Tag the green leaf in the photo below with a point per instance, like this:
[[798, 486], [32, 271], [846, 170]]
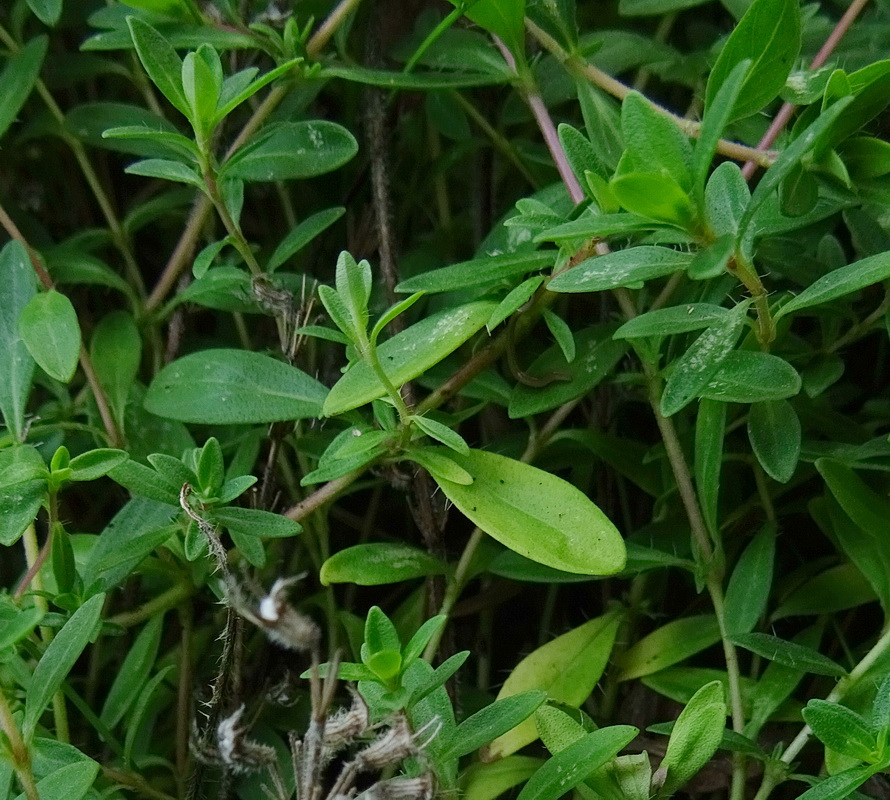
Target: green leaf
[[70, 782], [47, 11], [49, 328], [422, 637], [141, 710], [488, 781], [710, 427], [58, 659], [116, 352], [774, 431], [570, 767], [515, 299], [864, 156], [557, 728], [789, 653], [210, 469], [629, 268], [748, 376], [566, 668], [492, 721], [441, 433], [655, 195], [201, 85], [536, 514], [868, 509], [597, 354], [839, 283], [255, 522], [408, 354], [769, 36], [353, 282], [380, 633], [840, 786], [503, 18], [726, 198], [718, 114], [791, 155], [302, 234], [668, 645], [18, 78], [654, 142], [95, 463], [580, 152], [562, 333], [391, 313], [477, 272], [233, 387], [414, 81], [233, 95], [16, 365], [379, 564], [161, 63], [13, 630], [291, 150], [836, 589], [749, 587], [670, 321], [133, 672], [841, 729], [168, 171], [591, 225], [695, 737], [440, 464], [691, 372], [646, 8]]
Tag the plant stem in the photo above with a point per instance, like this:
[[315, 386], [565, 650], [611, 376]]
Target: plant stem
[[582, 69], [168, 599], [325, 494], [21, 757], [432, 37]]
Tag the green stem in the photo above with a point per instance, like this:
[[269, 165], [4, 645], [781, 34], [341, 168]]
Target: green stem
[[168, 599], [21, 757], [433, 36]]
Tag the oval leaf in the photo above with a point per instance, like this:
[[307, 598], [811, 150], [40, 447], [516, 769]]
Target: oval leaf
[[536, 514], [790, 654], [290, 150], [233, 387], [629, 267], [49, 328], [774, 431], [379, 563], [668, 645], [747, 376]]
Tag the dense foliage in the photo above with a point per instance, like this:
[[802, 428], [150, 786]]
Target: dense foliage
[[398, 405]]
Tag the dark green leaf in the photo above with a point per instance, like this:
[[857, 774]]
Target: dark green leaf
[[255, 522], [232, 387], [840, 786], [789, 653], [58, 659], [841, 729], [749, 587], [18, 78], [167, 170], [748, 376], [19, 287], [70, 782], [710, 427], [49, 328], [654, 143], [413, 81], [669, 321], [692, 371], [774, 431], [562, 333], [47, 11], [718, 114], [95, 463], [515, 299], [116, 352], [598, 225], [503, 18], [290, 150], [133, 672], [161, 63], [477, 272], [302, 234], [18, 627]]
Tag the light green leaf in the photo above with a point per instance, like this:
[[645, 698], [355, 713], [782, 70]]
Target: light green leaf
[[570, 767], [515, 299], [440, 463], [231, 99], [378, 564], [70, 782], [233, 387], [408, 354], [841, 729], [391, 313], [58, 659], [291, 150], [167, 170], [668, 645], [16, 365], [536, 514], [95, 463], [629, 267], [775, 434], [441, 433], [769, 36], [18, 78], [840, 786], [49, 328], [566, 668], [488, 781], [691, 372], [655, 195], [695, 737]]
